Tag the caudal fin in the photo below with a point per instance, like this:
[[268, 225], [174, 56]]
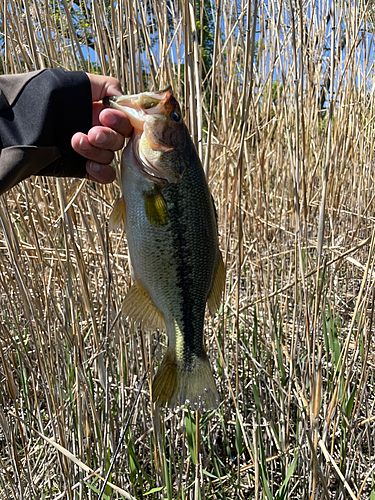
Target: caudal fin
[[175, 385]]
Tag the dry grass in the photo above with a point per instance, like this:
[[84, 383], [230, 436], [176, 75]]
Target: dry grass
[[293, 345]]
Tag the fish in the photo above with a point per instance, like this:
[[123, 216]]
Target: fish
[[170, 221]]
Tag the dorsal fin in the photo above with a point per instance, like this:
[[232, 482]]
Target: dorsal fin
[[214, 299], [118, 216]]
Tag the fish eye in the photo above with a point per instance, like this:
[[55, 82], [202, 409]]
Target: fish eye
[[175, 117]]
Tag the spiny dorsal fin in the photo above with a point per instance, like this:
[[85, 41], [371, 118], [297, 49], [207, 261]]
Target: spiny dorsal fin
[[156, 209], [118, 215], [139, 306], [216, 293]]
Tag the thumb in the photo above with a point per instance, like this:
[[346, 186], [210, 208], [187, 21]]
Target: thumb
[[102, 86]]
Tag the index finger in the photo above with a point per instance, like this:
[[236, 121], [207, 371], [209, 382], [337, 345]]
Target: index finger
[[116, 120]]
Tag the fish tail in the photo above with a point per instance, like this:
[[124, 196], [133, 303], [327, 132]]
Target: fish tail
[[176, 384]]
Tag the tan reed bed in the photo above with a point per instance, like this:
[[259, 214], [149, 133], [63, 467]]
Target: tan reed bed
[[292, 174]]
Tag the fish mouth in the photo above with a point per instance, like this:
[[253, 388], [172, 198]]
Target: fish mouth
[[138, 108]]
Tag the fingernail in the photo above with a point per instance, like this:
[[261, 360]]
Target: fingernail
[[100, 137], [83, 144], [95, 167]]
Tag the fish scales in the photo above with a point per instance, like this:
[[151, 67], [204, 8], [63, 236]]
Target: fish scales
[[194, 253], [173, 246]]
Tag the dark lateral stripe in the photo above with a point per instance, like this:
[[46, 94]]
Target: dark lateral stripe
[[193, 235], [182, 252]]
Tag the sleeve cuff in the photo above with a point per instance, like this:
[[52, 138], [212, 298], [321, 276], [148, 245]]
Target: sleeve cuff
[[36, 129]]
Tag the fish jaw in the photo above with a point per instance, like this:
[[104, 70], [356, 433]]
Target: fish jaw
[[138, 106], [158, 129], [142, 109]]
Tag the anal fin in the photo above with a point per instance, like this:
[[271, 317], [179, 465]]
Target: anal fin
[[165, 381], [139, 306]]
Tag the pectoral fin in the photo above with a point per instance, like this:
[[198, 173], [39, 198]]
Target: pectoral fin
[[118, 216], [216, 293], [139, 306], [156, 209]]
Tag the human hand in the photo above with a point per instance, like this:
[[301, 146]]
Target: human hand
[[107, 135]]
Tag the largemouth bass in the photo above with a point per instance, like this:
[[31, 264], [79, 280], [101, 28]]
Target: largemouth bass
[[170, 223]]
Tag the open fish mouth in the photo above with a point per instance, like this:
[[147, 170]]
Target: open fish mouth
[[138, 108]]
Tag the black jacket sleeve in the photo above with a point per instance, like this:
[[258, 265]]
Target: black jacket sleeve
[[39, 113]]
